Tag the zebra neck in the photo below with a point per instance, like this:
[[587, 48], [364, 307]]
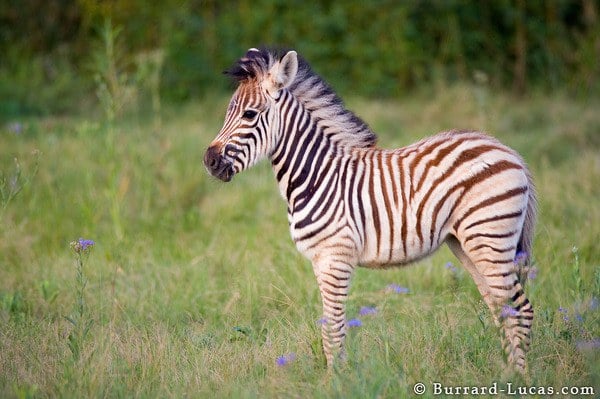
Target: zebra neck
[[301, 152]]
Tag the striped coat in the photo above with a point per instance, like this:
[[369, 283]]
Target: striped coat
[[352, 204]]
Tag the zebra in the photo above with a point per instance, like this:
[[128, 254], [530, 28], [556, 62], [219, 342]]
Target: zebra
[[351, 203]]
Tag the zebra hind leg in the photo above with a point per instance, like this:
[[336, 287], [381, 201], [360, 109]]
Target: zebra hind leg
[[517, 318], [497, 280]]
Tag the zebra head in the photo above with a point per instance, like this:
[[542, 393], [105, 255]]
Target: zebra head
[[250, 130]]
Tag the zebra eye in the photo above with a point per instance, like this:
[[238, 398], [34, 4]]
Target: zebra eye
[[249, 114]]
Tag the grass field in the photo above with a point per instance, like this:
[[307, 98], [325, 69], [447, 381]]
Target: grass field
[[194, 289]]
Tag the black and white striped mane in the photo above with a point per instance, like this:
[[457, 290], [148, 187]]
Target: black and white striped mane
[[341, 125]]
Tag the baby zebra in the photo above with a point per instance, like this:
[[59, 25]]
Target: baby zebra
[[352, 204]]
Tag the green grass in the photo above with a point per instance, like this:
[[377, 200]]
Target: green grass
[[194, 287]]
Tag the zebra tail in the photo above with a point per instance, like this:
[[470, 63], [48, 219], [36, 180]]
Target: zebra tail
[[525, 243]]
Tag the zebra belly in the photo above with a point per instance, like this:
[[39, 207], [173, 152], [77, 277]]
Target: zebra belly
[[382, 256], [399, 236]]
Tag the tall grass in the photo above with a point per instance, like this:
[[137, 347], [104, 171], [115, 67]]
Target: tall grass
[[199, 290]]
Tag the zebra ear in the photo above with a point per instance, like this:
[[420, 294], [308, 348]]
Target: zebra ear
[[282, 73]]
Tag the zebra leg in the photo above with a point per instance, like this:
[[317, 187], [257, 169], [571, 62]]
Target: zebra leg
[[517, 318], [333, 277], [497, 281], [480, 282]]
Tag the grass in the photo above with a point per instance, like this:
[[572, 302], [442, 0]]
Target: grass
[[194, 288]]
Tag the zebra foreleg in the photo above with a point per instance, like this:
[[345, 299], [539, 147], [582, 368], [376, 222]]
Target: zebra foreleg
[[333, 278]]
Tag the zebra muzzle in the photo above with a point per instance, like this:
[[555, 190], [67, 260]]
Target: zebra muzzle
[[217, 165]]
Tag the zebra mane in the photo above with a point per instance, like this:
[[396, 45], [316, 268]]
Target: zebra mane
[[341, 125]]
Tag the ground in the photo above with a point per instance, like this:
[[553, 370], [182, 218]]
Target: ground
[[193, 287]]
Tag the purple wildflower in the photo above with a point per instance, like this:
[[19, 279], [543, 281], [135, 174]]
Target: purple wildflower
[[450, 266], [286, 359], [588, 344], [398, 289], [564, 312], [508, 311], [367, 310], [579, 318], [354, 323], [532, 273], [85, 244], [520, 258], [82, 246], [16, 127], [322, 321]]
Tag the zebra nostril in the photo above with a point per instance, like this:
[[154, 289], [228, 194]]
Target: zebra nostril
[[218, 165], [211, 158]]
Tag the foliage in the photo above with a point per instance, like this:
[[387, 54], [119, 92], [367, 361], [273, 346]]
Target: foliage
[[40, 84], [201, 293], [376, 48], [383, 48]]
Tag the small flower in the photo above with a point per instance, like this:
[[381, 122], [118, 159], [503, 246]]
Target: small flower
[[520, 258], [564, 312], [354, 323], [286, 359], [15, 127], [508, 311], [81, 246], [532, 273], [367, 310], [450, 266], [322, 321], [398, 289], [574, 249], [579, 318], [85, 244]]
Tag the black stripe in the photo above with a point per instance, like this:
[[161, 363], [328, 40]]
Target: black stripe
[[374, 211], [290, 149], [359, 190], [499, 250], [325, 201], [319, 172], [505, 235], [387, 209], [303, 160], [490, 201], [283, 145]]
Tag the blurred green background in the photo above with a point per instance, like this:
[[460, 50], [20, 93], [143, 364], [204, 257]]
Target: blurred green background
[[380, 48]]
